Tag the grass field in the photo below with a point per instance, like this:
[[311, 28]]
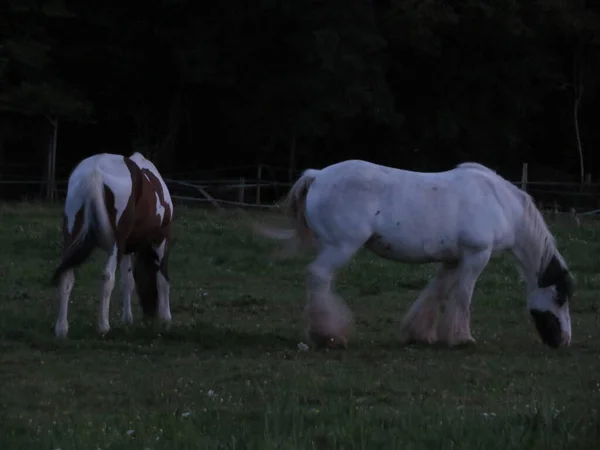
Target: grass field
[[229, 374]]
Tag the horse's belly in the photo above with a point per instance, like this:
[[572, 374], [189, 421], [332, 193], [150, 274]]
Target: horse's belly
[[413, 252]]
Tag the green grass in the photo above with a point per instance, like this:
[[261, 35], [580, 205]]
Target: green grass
[[229, 375]]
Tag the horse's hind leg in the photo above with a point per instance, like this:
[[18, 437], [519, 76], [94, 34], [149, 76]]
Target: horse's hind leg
[[420, 322], [65, 286], [455, 328], [108, 277], [329, 319], [127, 287]]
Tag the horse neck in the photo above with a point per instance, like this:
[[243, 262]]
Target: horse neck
[[534, 246]]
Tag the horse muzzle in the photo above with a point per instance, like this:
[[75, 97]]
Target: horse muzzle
[[549, 329]]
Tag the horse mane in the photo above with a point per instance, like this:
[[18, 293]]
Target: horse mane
[[534, 226], [539, 244], [476, 166]]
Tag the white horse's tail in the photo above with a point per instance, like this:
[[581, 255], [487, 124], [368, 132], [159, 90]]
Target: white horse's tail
[[294, 206], [97, 220], [96, 229]]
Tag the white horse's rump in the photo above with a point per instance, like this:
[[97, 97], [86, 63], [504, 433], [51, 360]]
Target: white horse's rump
[[457, 218]]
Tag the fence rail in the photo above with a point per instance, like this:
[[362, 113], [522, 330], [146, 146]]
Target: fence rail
[[260, 193]]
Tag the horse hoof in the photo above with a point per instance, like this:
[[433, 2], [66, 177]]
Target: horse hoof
[[463, 343], [61, 331], [410, 339], [418, 342], [127, 320]]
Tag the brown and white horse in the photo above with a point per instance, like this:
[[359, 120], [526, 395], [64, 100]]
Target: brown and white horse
[[121, 205]]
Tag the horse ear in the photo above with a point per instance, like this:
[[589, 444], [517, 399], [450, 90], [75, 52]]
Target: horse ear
[[553, 273]]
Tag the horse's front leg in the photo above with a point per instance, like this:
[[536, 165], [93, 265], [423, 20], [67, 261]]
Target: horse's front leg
[[420, 322], [455, 329]]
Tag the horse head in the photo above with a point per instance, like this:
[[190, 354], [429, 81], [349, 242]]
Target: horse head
[[145, 268], [549, 304]]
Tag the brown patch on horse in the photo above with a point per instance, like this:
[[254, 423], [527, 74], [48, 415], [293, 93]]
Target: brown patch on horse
[[157, 186], [143, 228]]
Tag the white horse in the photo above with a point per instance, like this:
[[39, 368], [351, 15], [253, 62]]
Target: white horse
[[458, 218]]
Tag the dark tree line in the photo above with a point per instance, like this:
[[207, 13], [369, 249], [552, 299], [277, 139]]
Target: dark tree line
[[420, 84]]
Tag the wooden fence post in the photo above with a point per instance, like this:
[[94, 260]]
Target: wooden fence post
[[51, 164]]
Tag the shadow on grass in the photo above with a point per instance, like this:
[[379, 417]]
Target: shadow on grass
[[200, 336], [142, 338]]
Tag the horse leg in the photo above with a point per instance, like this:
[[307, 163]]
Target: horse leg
[[163, 283], [420, 322], [456, 325], [127, 287], [108, 285], [329, 319], [65, 286]]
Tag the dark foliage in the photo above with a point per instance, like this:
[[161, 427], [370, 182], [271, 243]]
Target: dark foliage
[[420, 84]]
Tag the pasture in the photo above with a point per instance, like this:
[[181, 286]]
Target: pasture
[[229, 374]]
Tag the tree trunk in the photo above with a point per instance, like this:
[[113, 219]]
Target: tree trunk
[[51, 167], [576, 106], [578, 93]]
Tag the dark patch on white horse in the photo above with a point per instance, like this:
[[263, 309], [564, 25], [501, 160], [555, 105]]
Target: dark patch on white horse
[[556, 275], [378, 212], [548, 327]]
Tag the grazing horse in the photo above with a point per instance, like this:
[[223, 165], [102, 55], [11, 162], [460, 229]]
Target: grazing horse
[[121, 205], [458, 219]]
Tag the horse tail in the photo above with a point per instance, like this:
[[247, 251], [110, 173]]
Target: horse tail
[[294, 206], [98, 219], [96, 229]]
